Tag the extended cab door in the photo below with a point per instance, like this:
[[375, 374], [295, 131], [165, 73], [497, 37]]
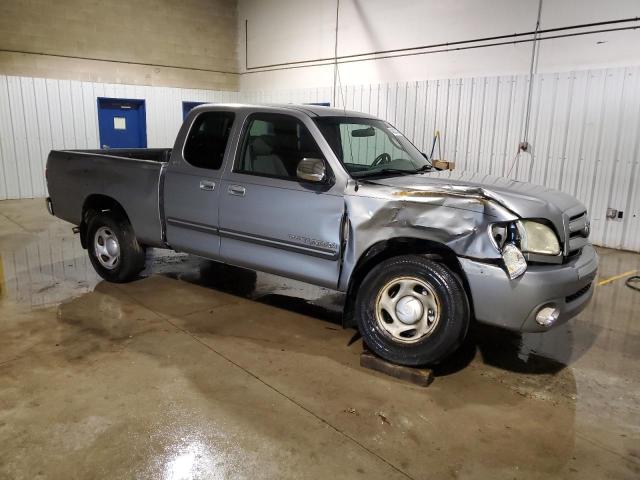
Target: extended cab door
[[271, 220], [192, 185]]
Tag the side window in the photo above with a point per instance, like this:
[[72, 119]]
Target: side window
[[207, 139], [274, 144]]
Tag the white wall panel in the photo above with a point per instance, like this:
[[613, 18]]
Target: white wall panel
[[38, 115], [584, 132]]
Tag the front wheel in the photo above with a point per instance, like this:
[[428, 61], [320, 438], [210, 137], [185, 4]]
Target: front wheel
[[113, 249], [412, 311]]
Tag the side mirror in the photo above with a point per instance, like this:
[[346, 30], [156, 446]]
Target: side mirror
[[312, 169]]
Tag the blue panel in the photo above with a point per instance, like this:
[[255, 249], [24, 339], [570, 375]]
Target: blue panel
[[122, 122], [187, 106]]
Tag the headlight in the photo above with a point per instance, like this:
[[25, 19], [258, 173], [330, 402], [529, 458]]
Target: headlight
[[537, 238], [528, 236]]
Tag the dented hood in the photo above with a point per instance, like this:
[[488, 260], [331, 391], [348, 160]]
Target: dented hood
[[526, 200]]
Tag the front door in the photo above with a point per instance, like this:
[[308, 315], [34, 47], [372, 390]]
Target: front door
[[122, 123], [270, 220], [192, 185]]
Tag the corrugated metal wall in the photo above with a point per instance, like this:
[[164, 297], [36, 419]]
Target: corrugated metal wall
[[38, 115], [584, 132]]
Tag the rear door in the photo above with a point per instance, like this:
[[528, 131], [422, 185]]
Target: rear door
[[270, 220], [192, 185]]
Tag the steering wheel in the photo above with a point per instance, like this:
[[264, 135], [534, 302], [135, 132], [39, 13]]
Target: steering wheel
[[384, 157]]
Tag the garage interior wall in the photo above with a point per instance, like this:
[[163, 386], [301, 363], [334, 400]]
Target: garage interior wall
[[191, 43], [584, 112], [56, 58], [38, 115], [278, 40], [470, 82]]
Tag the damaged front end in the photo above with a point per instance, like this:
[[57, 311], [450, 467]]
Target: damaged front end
[[458, 218], [525, 259], [526, 239]]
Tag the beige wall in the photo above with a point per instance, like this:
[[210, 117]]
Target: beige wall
[[187, 43]]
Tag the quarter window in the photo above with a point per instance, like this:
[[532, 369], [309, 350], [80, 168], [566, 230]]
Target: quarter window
[[274, 144], [207, 139]]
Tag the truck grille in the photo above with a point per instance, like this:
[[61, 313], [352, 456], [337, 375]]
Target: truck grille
[[577, 232], [578, 294]]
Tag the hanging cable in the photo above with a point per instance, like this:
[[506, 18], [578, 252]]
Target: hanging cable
[[523, 146], [335, 54], [633, 282], [534, 50]]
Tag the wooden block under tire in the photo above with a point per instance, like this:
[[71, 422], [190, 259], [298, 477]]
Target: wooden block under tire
[[418, 376]]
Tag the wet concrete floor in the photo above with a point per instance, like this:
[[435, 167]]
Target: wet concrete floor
[[198, 370]]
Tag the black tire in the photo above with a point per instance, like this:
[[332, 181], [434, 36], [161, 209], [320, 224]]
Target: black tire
[[449, 295], [131, 258]]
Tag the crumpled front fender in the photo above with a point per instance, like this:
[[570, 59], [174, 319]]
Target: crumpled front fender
[[458, 218]]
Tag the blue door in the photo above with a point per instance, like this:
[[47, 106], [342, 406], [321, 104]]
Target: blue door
[[122, 123], [187, 106]]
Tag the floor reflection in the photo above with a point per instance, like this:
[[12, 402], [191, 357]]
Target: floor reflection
[[47, 271]]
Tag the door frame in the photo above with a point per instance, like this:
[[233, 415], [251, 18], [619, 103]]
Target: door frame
[[142, 115]]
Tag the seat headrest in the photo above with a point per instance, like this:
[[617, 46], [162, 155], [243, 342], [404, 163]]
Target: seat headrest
[[261, 145]]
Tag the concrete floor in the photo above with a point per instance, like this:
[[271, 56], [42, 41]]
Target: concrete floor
[[205, 371]]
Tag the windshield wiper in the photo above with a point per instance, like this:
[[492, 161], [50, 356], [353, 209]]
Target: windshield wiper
[[425, 168], [382, 171]]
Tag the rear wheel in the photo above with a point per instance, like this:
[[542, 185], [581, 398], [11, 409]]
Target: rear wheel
[[412, 311], [113, 249]]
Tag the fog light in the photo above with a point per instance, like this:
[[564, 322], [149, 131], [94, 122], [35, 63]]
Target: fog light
[[547, 316], [513, 260]]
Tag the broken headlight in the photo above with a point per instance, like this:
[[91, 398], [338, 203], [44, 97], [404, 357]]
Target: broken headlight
[[515, 239], [514, 261], [536, 237], [506, 238]]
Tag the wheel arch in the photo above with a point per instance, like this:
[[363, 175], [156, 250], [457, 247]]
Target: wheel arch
[[94, 204], [393, 247]]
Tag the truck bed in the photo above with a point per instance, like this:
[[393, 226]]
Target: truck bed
[[131, 177]]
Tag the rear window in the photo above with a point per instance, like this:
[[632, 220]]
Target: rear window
[[207, 140]]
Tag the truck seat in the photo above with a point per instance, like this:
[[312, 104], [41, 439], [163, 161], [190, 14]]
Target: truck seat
[[261, 159]]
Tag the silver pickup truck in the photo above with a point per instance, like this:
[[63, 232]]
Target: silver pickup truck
[[342, 200]]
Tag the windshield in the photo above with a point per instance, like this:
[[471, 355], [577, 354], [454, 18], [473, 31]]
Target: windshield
[[368, 147]]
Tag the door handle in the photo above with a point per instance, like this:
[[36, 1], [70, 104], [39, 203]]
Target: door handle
[[238, 190], [207, 185]]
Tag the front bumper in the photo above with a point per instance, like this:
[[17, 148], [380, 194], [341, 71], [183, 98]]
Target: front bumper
[[513, 304]]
